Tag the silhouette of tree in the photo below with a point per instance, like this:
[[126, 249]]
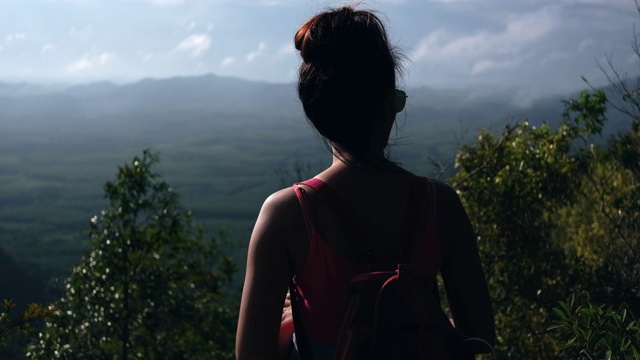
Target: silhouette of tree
[[152, 287]]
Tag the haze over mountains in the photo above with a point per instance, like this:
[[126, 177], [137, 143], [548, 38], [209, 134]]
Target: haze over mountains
[[219, 138], [160, 112]]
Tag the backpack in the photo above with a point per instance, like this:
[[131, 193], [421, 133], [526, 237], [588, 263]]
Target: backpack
[[393, 314]]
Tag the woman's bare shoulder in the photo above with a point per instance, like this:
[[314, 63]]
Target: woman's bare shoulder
[[281, 215], [281, 204], [282, 199], [443, 190], [447, 201]]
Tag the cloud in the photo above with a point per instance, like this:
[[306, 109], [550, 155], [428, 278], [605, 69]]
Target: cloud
[[517, 34], [228, 61], [89, 62], [167, 2], [16, 37], [47, 48], [483, 66], [555, 56], [585, 44], [599, 2], [82, 33], [105, 58], [257, 52], [286, 49], [146, 56], [275, 2], [195, 45]]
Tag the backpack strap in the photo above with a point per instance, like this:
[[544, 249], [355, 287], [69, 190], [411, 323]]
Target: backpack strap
[[432, 246], [419, 185], [304, 204], [301, 340]]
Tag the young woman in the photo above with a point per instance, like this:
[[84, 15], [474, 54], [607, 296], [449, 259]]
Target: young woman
[[357, 212]]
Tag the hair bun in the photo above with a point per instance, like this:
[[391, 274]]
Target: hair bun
[[303, 38], [318, 38], [337, 38]]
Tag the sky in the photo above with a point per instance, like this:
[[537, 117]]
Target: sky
[[530, 47]]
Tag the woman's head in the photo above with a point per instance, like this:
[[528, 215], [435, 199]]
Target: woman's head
[[347, 77]]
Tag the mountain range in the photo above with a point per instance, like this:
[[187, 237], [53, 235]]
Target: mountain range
[[220, 140]]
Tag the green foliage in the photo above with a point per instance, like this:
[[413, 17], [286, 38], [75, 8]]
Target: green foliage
[[557, 213], [601, 233], [20, 324], [152, 287], [596, 332], [19, 327], [517, 188], [586, 115]]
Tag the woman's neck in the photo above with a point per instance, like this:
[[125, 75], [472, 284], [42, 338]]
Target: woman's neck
[[375, 162]]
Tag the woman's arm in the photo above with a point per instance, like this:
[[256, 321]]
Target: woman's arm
[[269, 272], [461, 270]]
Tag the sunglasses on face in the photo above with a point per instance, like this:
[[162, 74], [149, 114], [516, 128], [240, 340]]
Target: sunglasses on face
[[400, 100]]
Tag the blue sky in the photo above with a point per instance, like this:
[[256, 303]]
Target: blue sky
[[528, 46]]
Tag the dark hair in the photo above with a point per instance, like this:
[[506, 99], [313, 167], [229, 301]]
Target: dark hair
[[348, 72]]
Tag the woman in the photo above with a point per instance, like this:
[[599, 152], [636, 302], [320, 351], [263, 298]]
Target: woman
[[325, 231]]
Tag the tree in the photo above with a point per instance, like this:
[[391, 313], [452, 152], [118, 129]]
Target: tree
[[22, 323], [605, 243], [514, 186], [557, 213], [602, 237], [152, 287]]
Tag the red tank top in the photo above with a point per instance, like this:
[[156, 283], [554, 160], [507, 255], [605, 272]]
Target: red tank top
[[324, 281]]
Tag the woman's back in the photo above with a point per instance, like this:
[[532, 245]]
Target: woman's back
[[342, 243], [374, 206]]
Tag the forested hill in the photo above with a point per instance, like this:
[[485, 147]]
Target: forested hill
[[29, 106], [219, 138], [18, 285]]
